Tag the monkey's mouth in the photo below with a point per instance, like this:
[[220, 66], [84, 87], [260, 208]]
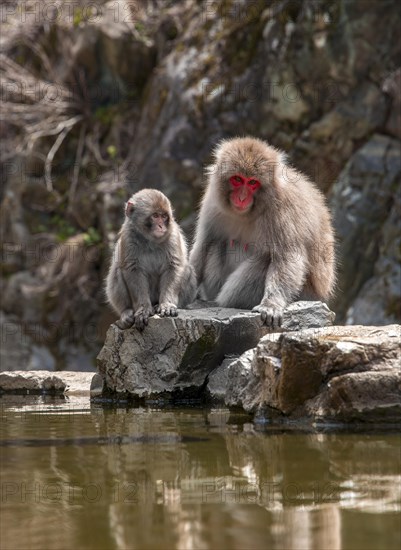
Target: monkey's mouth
[[158, 234], [241, 208]]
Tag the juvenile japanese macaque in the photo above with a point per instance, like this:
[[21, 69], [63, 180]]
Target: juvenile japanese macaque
[[149, 271], [264, 236]]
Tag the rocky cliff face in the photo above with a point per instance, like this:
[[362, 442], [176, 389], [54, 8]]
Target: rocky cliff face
[[102, 98]]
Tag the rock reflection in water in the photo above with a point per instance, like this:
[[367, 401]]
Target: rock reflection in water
[[190, 479]]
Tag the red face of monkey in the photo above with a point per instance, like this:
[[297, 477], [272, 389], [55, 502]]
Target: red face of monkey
[[242, 191]]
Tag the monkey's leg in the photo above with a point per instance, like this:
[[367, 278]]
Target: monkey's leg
[[126, 319], [118, 295], [244, 287], [170, 281], [216, 269], [138, 288]]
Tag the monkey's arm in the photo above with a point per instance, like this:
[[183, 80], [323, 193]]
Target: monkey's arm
[[284, 281]]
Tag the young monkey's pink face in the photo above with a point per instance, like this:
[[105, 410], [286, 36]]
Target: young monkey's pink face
[[159, 225], [242, 192], [153, 220]]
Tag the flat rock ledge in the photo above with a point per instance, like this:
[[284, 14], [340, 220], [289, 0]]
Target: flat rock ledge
[[47, 382]]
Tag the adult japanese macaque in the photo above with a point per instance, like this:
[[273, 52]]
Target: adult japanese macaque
[[264, 236], [149, 271]]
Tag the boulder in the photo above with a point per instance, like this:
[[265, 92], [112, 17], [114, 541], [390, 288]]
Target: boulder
[[42, 381], [365, 203], [173, 357], [392, 87], [336, 374]]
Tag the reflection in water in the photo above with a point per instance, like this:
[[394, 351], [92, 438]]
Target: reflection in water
[[98, 478]]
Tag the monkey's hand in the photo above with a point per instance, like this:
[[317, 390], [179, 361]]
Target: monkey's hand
[[270, 315], [166, 309], [142, 315], [126, 319]]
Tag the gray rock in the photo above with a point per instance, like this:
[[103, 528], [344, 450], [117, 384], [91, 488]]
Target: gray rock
[[392, 87], [329, 374], [174, 356], [297, 316], [301, 315], [41, 381], [379, 300], [127, 57], [97, 386], [365, 203], [217, 381], [243, 382]]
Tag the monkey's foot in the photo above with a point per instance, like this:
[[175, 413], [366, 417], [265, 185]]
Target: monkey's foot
[[126, 320], [142, 315], [271, 316], [165, 309]]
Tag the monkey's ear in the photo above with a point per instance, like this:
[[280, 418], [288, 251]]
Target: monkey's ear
[[129, 207]]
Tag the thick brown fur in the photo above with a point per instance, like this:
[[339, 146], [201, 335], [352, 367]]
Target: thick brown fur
[[149, 271], [278, 251]]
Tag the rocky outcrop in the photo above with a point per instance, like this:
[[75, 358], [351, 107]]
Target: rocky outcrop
[[366, 207], [295, 80], [173, 357], [322, 374], [227, 357], [338, 374]]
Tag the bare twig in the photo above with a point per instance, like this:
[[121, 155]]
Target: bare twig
[[96, 152], [50, 156], [77, 166], [42, 132]]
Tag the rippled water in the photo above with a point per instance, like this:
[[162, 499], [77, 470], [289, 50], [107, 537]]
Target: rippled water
[[76, 476]]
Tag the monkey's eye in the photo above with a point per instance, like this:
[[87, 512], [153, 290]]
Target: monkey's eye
[[236, 181], [165, 217], [155, 215], [254, 184]]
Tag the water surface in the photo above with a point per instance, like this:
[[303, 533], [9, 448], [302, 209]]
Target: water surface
[[76, 476]]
